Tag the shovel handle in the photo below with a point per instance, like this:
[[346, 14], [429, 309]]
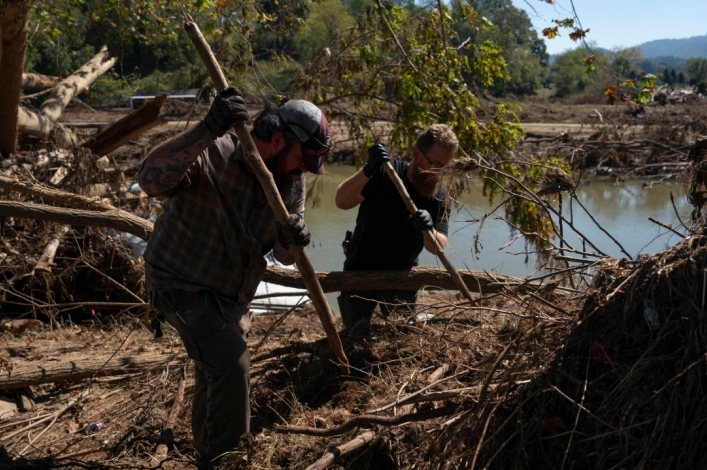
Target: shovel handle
[[250, 152], [427, 233]]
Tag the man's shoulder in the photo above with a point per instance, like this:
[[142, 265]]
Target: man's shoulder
[[226, 146]]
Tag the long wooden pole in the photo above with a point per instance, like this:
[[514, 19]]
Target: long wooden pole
[[429, 236], [250, 152]]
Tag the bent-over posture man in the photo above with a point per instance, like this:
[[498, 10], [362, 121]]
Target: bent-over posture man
[[387, 236], [205, 260]]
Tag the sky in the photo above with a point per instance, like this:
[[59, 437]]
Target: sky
[[619, 23]]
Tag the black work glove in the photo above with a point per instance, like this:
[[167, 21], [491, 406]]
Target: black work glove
[[293, 232], [228, 108], [421, 220], [377, 155]]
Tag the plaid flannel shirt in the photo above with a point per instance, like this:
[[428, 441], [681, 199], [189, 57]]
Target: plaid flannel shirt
[[215, 229]]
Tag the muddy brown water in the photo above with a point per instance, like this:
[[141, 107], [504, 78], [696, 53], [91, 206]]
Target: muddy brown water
[[622, 210]]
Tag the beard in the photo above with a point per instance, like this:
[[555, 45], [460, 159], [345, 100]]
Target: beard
[[426, 182], [289, 184], [276, 164]]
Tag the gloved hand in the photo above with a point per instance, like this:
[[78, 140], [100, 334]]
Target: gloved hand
[[421, 220], [293, 232], [377, 155], [226, 110]]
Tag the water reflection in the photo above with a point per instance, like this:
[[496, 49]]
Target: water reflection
[[622, 210]]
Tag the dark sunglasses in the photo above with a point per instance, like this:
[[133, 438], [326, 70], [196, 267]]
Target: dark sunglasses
[[315, 145], [319, 148]]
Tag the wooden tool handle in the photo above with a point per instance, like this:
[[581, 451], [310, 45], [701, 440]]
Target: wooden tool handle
[[429, 236], [252, 157]]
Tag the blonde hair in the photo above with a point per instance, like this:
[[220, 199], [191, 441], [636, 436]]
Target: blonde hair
[[438, 134]]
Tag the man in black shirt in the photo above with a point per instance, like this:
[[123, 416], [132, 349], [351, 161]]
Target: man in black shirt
[[386, 236]]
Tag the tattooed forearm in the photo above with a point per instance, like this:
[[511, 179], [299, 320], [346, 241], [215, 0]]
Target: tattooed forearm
[[165, 166]]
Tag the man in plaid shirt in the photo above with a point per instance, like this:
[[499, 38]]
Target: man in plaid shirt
[[204, 260]]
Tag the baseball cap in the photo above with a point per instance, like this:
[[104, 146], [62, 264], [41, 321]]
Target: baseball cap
[[311, 127]]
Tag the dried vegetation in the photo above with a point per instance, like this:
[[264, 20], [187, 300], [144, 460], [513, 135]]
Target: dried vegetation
[[607, 373]]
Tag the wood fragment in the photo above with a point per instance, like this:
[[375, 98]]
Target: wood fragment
[[25, 401], [127, 128], [330, 457], [438, 373], [45, 262]]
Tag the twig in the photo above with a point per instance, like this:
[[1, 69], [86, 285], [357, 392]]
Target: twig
[[167, 435], [677, 377], [487, 381], [330, 457], [113, 281], [419, 392], [576, 418], [280, 294], [53, 417], [274, 325], [368, 419], [669, 227], [483, 434], [677, 214], [574, 196]]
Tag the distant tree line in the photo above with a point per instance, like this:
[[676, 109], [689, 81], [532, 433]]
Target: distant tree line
[[268, 44]]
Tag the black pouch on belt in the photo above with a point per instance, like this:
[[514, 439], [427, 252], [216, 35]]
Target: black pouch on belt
[[153, 313], [347, 242]]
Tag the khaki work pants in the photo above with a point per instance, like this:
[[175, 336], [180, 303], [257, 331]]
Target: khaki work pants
[[221, 407]]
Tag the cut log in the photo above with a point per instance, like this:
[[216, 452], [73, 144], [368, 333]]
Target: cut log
[[13, 45], [47, 259], [21, 376], [75, 84], [37, 125], [118, 219], [128, 127], [413, 279], [38, 82]]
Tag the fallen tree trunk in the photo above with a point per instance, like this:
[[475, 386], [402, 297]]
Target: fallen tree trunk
[[55, 195], [128, 127], [21, 376], [118, 219], [75, 84], [331, 281], [13, 45], [38, 82], [37, 125], [413, 279]]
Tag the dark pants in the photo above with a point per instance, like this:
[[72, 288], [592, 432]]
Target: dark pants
[[221, 408], [358, 305]]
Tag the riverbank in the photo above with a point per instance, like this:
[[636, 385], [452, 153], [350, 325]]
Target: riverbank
[[601, 139]]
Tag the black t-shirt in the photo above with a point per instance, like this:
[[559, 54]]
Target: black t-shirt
[[384, 238]]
